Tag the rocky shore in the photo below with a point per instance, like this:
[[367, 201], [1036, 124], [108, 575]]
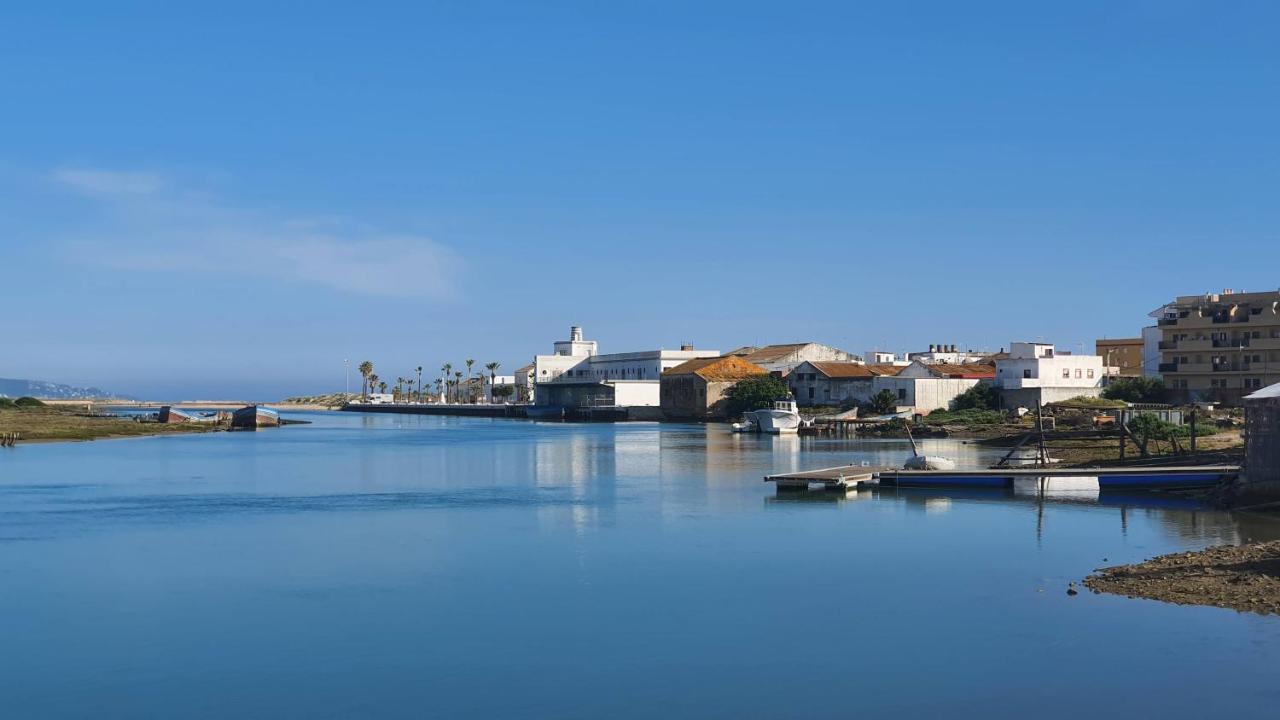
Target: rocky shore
[[1240, 577]]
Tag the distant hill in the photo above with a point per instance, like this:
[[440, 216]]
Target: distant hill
[[54, 391]]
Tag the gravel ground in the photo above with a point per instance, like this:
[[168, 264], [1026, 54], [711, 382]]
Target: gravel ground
[[1241, 577]]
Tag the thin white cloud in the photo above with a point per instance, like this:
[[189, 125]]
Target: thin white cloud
[[99, 183], [147, 224]]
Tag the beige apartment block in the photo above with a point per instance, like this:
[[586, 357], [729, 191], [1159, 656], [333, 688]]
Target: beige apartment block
[[1220, 346]]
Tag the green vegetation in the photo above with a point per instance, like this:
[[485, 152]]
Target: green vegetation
[[27, 402], [503, 391], [1136, 390], [6, 402], [1089, 403], [971, 416], [754, 393], [1148, 427], [983, 396], [51, 423], [882, 403]]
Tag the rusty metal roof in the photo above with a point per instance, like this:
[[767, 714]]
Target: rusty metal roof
[[718, 369]]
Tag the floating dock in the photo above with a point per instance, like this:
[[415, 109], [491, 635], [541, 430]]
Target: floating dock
[[845, 477]]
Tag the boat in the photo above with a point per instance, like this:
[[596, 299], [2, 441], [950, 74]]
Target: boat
[[748, 424], [170, 414], [925, 462], [782, 417], [252, 417]]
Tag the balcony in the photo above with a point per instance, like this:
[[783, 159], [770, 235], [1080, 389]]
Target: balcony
[[1168, 345], [1168, 367], [1233, 343], [1167, 322]]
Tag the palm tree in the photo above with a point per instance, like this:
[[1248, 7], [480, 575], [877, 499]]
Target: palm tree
[[382, 388], [493, 376], [419, 383], [373, 381], [439, 384], [366, 369], [447, 369], [457, 387], [469, 363]]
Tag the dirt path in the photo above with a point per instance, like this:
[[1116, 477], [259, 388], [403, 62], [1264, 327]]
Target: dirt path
[[1241, 577]]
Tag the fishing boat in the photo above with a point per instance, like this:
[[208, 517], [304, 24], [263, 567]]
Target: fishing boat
[[252, 417], [782, 417]]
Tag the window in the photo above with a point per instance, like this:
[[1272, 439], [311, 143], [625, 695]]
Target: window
[[1079, 374], [1066, 373], [1026, 373], [902, 393], [810, 393], [1090, 373]]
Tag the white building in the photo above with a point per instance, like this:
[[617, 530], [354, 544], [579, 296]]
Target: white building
[[493, 392], [883, 357], [924, 387], [947, 355], [1035, 372], [629, 379]]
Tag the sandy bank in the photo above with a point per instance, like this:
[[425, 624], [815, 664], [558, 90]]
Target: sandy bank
[[1241, 577]]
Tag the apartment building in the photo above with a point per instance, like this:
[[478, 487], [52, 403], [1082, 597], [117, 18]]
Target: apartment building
[[1219, 346]]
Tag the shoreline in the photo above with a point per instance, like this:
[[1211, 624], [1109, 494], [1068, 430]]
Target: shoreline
[[1244, 578]]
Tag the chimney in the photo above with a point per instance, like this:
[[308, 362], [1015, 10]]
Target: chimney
[[686, 347], [575, 333], [933, 348]]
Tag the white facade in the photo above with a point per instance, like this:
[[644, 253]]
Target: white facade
[[1151, 337], [1046, 375], [496, 382], [882, 357], [920, 390], [634, 375]]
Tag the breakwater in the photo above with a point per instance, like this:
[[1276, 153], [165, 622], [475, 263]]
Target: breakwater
[[507, 411]]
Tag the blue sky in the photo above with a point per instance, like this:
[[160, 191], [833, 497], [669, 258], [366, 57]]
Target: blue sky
[[229, 200]]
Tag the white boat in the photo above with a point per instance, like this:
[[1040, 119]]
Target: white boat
[[748, 424], [925, 462], [783, 417]]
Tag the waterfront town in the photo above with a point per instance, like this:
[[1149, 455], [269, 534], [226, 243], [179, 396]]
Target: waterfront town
[[1212, 349]]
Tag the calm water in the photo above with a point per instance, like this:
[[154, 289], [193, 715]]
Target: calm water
[[440, 567]]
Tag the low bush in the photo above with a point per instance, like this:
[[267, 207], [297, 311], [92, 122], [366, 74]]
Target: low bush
[[6, 402], [964, 417], [28, 402], [983, 396]]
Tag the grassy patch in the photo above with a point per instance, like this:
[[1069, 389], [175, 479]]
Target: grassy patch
[[964, 417], [49, 423]]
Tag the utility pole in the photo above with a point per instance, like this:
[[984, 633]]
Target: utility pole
[[346, 366]]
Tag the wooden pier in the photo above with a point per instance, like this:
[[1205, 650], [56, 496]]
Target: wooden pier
[[845, 477]]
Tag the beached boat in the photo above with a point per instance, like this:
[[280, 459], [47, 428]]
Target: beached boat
[[782, 417], [170, 414], [252, 417]]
